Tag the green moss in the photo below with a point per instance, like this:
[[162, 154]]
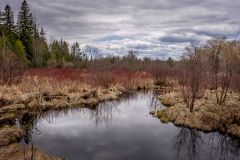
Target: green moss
[[168, 102], [163, 116]]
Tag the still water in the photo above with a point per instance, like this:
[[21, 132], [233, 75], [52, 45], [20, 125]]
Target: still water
[[123, 130]]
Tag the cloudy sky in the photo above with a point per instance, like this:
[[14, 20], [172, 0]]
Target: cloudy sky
[[155, 28]]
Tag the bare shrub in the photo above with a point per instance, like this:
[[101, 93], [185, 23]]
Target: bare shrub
[[191, 81], [11, 68], [221, 57], [104, 79]]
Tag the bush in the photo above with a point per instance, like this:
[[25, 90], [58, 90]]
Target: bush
[[11, 67], [104, 79]]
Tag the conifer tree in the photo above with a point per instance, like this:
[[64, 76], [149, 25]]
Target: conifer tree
[[8, 19], [1, 19], [76, 51], [26, 28], [42, 33], [40, 48], [46, 54]]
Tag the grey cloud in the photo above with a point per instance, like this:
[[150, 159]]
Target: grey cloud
[[180, 38], [153, 27]]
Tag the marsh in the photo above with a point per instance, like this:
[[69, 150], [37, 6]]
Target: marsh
[[123, 129]]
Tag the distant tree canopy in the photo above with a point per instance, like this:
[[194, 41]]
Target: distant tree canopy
[[59, 52], [26, 40]]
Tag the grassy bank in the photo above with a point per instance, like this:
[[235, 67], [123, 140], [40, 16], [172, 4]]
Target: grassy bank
[[207, 115]]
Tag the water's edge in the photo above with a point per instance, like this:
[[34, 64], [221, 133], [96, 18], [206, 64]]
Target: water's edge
[[122, 129]]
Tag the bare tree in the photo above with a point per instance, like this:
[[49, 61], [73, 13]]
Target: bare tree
[[93, 52], [191, 81], [221, 55]]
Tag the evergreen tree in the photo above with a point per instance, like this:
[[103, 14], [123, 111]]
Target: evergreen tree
[[170, 62], [40, 48], [54, 51], [26, 29], [1, 19], [59, 52], [42, 33], [64, 49], [46, 54], [76, 52], [8, 27], [75, 49], [8, 19], [1, 23]]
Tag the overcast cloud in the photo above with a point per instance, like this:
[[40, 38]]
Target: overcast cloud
[[155, 28]]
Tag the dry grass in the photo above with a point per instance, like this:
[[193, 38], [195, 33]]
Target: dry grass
[[207, 115], [9, 135], [170, 99], [18, 152], [65, 82]]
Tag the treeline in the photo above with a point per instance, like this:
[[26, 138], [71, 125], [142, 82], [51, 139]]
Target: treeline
[[23, 43]]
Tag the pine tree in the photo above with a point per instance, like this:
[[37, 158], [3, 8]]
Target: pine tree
[[40, 48], [1, 19], [8, 19], [76, 51], [59, 52], [42, 33], [26, 28], [2, 35], [46, 54]]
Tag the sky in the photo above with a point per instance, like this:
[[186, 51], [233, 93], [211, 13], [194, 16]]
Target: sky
[[154, 28]]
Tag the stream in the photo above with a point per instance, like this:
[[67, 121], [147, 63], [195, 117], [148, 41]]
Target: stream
[[122, 130]]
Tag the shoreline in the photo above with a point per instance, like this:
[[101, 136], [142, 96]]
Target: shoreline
[[10, 134], [207, 115]]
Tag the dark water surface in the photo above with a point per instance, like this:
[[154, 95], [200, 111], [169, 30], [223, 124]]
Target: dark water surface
[[123, 130]]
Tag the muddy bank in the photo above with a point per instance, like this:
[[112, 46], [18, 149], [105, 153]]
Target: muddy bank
[[207, 115], [14, 104], [47, 101]]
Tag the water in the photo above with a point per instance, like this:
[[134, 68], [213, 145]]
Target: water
[[123, 130]]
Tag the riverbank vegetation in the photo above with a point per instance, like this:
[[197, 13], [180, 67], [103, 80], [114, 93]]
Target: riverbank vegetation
[[208, 95]]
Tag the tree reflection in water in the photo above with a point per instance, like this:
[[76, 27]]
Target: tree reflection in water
[[155, 104], [190, 144], [223, 147], [28, 123], [104, 112], [188, 141]]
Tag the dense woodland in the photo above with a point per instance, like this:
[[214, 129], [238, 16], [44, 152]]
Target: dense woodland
[[213, 65], [23, 44]]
